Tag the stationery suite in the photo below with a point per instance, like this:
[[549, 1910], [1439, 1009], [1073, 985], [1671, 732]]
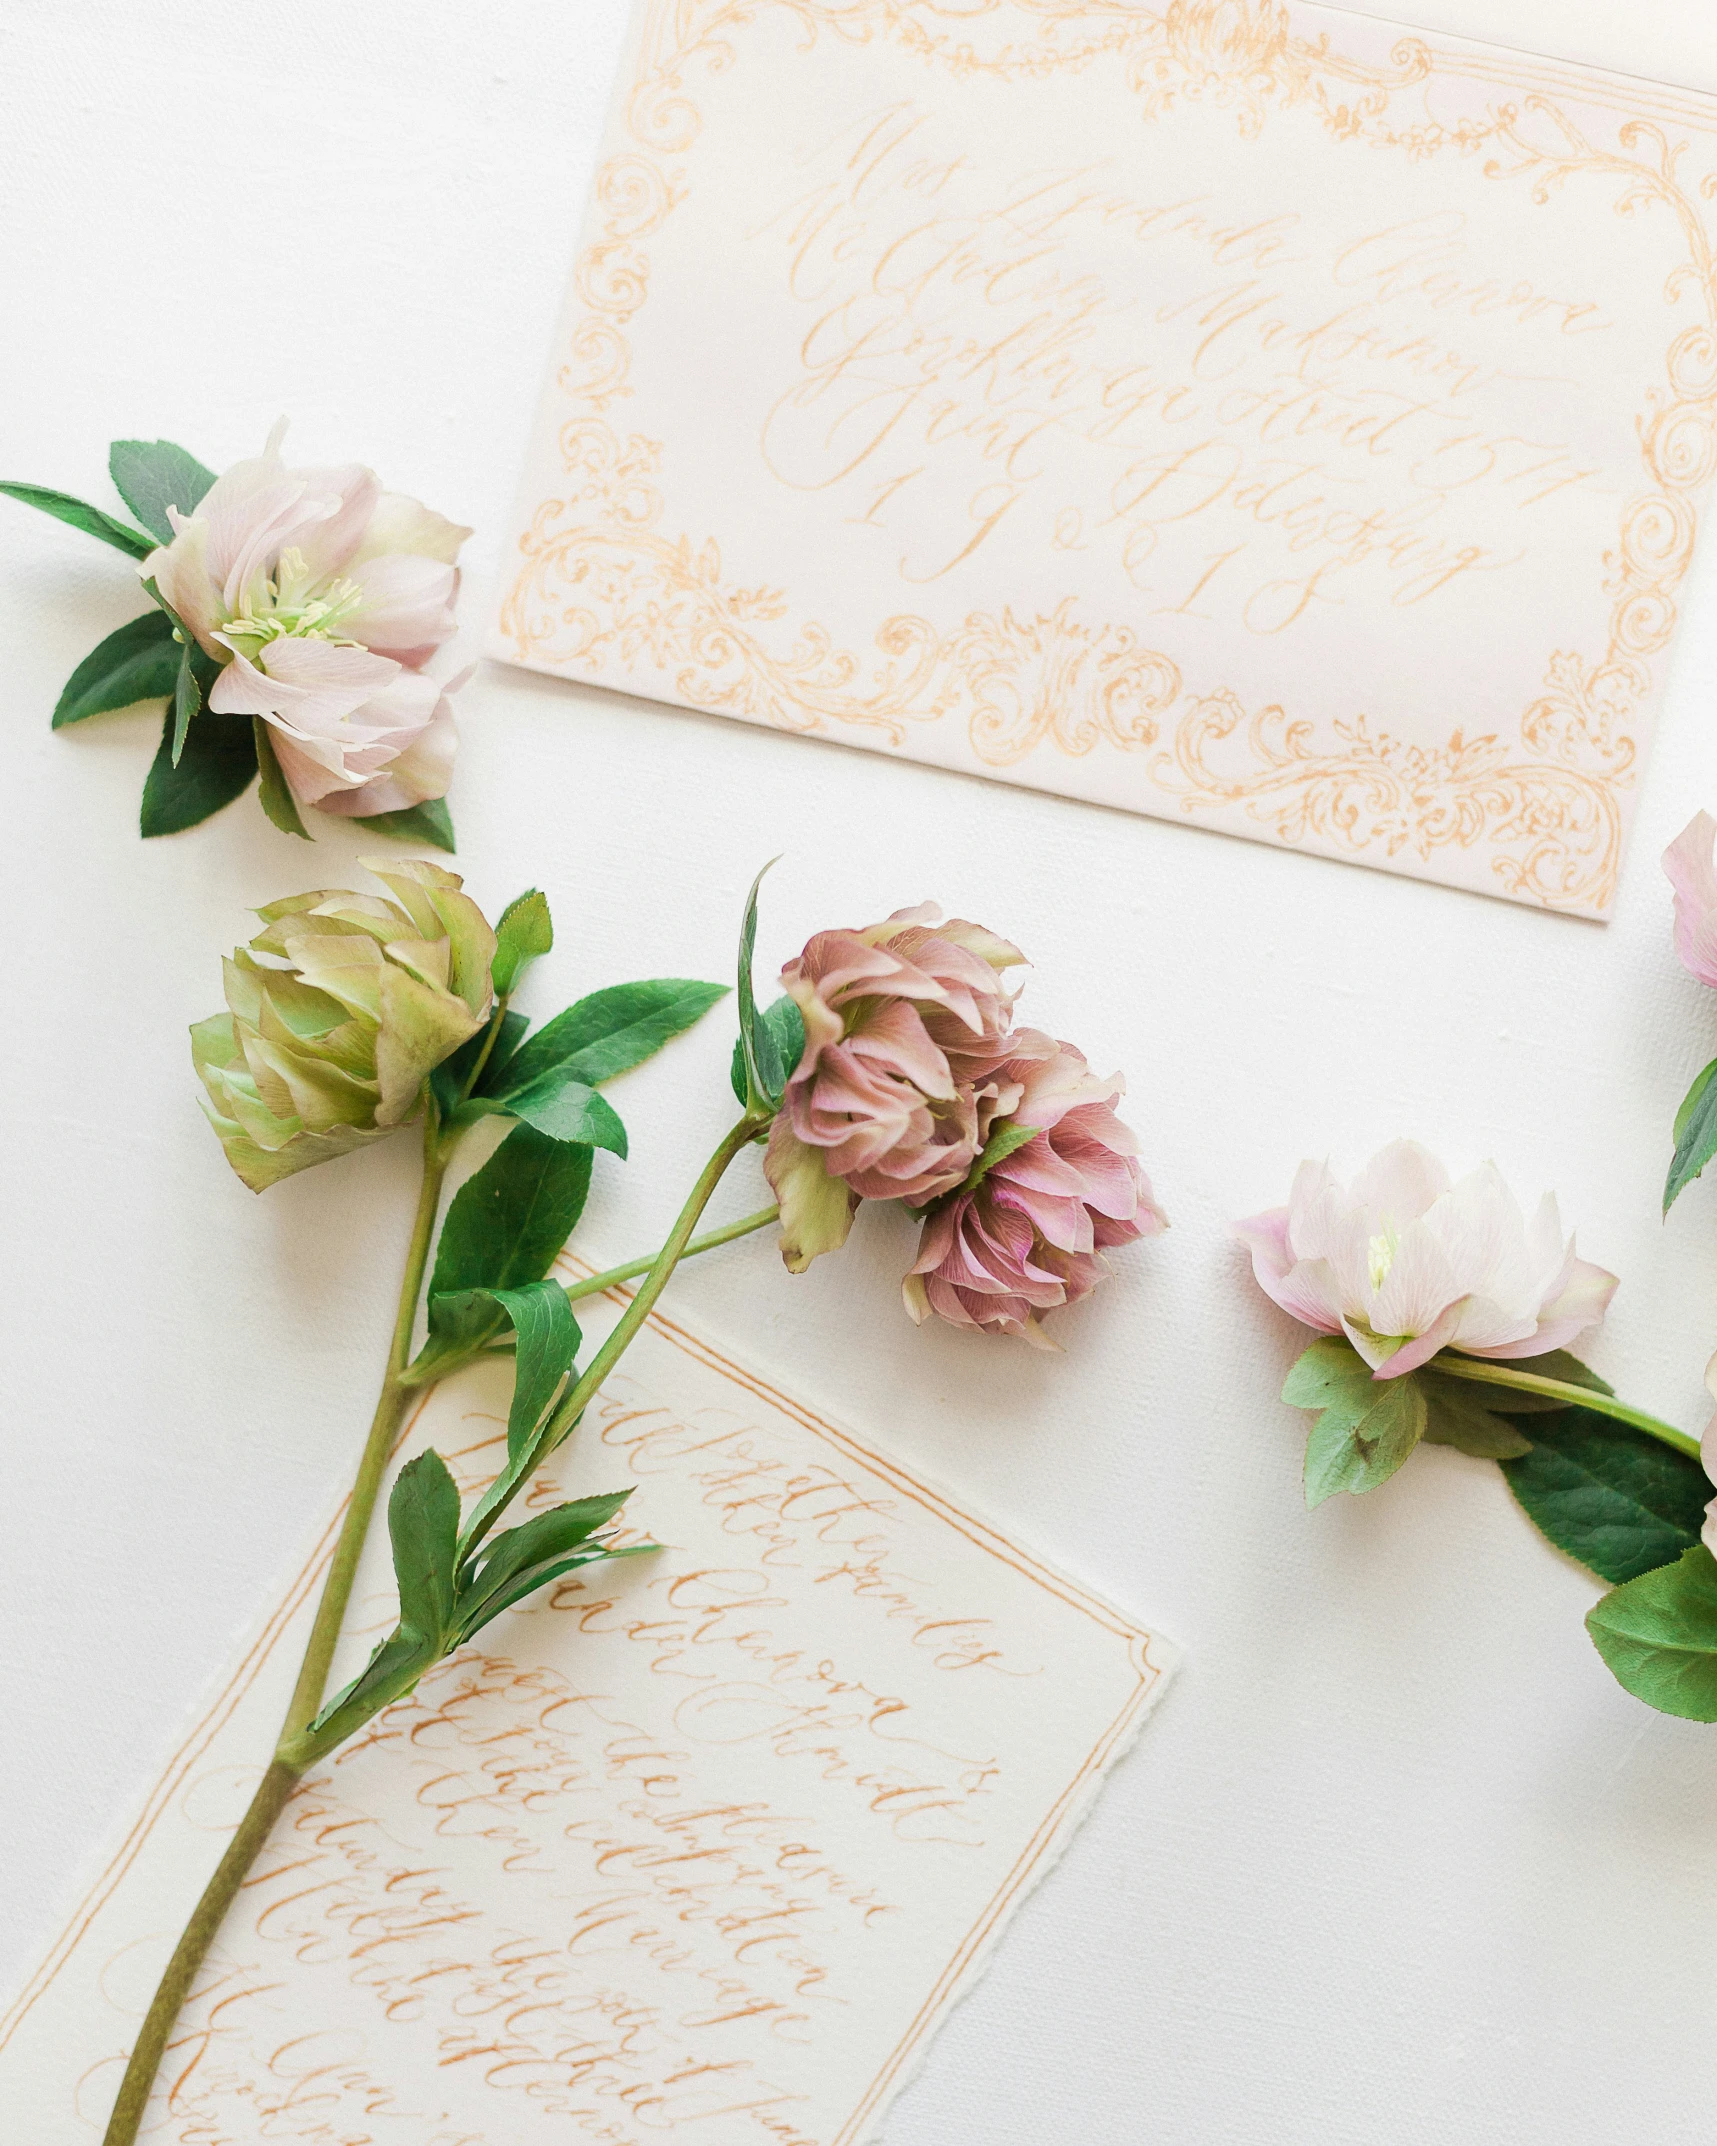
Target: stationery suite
[[701, 1847], [1265, 416]]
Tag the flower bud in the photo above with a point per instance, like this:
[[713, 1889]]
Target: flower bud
[[340, 1008]]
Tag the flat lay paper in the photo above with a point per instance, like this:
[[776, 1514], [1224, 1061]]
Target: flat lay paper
[[1264, 416], [705, 1849]]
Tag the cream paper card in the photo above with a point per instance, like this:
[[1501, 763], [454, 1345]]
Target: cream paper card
[[700, 1851], [1262, 416]]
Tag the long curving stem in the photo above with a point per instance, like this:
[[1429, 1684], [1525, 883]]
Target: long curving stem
[[1601, 1404], [595, 1284], [277, 1784]]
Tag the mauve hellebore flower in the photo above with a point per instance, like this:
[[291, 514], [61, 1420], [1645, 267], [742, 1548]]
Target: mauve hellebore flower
[[322, 596], [1404, 1263], [901, 1020], [1027, 1236], [338, 1011]]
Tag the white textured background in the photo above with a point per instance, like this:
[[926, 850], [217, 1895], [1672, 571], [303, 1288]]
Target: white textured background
[[1397, 1862]]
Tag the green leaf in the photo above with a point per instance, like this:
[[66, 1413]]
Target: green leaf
[[786, 1024], [430, 823], [81, 515], [484, 1610], [524, 934], [1456, 1415], [1617, 1499], [391, 1671], [217, 765], [138, 662], [548, 1340], [1006, 1140], [187, 700], [449, 1078], [423, 1526], [1658, 1634], [277, 800], [506, 1224], [1367, 1426], [609, 1032], [1695, 1136], [153, 475], [563, 1108], [525, 1552], [765, 1075]]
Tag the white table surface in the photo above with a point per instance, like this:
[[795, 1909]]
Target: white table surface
[[1397, 1862]]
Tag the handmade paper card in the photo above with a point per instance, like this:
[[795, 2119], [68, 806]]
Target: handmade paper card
[[701, 1849], [1254, 414]]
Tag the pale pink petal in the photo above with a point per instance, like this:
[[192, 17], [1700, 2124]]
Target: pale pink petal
[[399, 524], [1419, 1350], [180, 571], [1401, 1182], [405, 608], [1691, 872]]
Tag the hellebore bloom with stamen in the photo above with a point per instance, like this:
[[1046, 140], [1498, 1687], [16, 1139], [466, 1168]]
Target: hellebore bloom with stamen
[[1405, 1264], [323, 596]]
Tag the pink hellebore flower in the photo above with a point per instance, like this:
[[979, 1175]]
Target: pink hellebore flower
[[1688, 863], [1405, 1264], [1027, 1236], [322, 596], [898, 1019]]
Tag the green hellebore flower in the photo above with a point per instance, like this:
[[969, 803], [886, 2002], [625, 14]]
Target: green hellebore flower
[[340, 1009]]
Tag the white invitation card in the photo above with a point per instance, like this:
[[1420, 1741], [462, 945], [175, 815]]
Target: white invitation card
[[1262, 415]]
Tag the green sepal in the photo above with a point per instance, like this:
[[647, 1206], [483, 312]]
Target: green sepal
[[1620, 1501], [1658, 1636], [524, 934], [1695, 1136], [277, 799], [786, 1025], [138, 662], [153, 475], [429, 823], [81, 515], [1366, 1426], [217, 765]]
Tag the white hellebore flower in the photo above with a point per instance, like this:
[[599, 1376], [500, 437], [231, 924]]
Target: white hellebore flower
[[1404, 1263], [322, 596]]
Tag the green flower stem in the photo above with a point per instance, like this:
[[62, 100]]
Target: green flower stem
[[496, 1020], [1601, 1404], [277, 1784], [565, 1417], [706, 1243]]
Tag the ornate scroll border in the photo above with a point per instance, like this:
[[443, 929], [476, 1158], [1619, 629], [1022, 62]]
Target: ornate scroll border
[[600, 582]]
